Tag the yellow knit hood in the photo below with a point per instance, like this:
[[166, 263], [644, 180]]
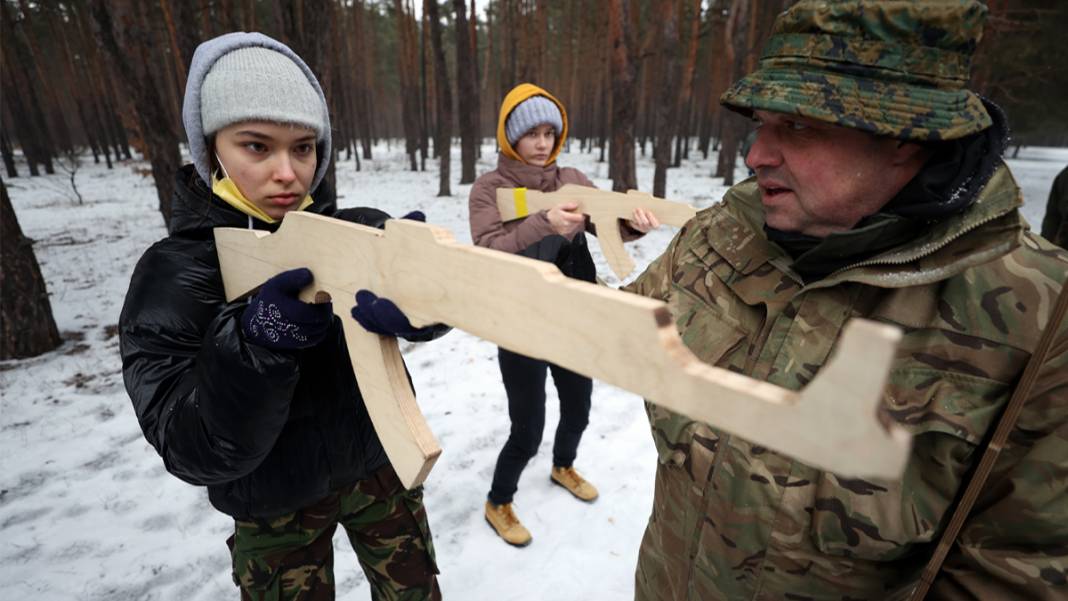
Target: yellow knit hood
[[518, 94]]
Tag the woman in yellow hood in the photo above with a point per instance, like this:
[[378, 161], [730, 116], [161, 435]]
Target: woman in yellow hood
[[531, 130]]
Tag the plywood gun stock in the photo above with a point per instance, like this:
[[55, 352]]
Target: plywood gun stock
[[604, 208], [529, 307]]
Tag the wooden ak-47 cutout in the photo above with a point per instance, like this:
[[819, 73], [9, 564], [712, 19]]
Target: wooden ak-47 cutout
[[604, 208], [619, 338]]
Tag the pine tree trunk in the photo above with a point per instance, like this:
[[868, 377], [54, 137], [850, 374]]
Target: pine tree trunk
[[653, 72], [467, 94], [97, 88], [309, 26], [7, 149], [732, 127], [604, 88], [692, 17], [166, 76], [409, 89], [348, 33], [476, 108], [624, 98], [114, 122], [187, 30], [32, 130], [89, 134], [540, 38], [746, 31], [206, 21], [180, 60], [8, 153], [443, 133], [76, 88], [124, 49], [27, 327], [667, 105], [424, 97], [363, 41], [491, 63], [34, 59], [22, 121]]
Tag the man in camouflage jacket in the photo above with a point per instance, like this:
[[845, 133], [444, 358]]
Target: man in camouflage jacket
[[880, 193]]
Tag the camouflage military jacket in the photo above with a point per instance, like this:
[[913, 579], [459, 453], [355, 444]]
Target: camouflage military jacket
[[732, 520]]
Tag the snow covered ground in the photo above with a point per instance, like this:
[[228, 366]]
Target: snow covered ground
[[87, 511]]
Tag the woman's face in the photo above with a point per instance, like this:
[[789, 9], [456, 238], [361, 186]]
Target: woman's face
[[273, 165], [536, 145]]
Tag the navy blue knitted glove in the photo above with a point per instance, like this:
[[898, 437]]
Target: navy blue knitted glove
[[374, 217], [382, 316], [277, 319]]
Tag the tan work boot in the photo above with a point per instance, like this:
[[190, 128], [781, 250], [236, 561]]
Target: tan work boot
[[574, 483], [503, 520]]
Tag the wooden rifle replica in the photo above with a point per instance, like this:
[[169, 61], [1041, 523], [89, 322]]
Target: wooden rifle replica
[[529, 307], [604, 207]]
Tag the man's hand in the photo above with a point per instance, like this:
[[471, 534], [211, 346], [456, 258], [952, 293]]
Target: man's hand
[[643, 221], [277, 319], [564, 220]]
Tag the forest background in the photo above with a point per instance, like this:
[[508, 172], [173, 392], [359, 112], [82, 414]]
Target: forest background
[[636, 75], [106, 77]]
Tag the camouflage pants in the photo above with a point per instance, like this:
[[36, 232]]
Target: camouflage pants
[[291, 557]]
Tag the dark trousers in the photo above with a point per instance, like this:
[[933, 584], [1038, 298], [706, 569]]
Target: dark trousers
[[524, 381]]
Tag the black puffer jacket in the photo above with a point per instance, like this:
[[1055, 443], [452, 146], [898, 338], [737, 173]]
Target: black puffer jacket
[[266, 431]]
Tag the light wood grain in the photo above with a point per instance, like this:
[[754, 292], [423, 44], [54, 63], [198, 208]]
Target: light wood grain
[[622, 339], [604, 207]]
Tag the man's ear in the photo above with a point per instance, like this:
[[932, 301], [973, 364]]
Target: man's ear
[[911, 153]]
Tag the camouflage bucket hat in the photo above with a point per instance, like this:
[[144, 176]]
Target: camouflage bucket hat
[[896, 68]]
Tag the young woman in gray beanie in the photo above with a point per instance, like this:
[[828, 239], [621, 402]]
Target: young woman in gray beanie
[[531, 130], [256, 400]]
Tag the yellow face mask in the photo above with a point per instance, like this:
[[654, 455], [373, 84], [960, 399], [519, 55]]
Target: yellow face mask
[[227, 190]]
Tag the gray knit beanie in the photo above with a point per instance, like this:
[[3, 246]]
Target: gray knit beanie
[[248, 76], [532, 112]]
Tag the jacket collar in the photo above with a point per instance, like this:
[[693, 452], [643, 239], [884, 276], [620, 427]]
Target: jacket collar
[[195, 211], [993, 226]]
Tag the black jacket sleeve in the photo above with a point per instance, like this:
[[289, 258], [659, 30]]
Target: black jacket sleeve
[[1053, 224], [211, 404]]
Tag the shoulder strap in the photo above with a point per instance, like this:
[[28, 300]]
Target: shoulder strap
[[993, 448]]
